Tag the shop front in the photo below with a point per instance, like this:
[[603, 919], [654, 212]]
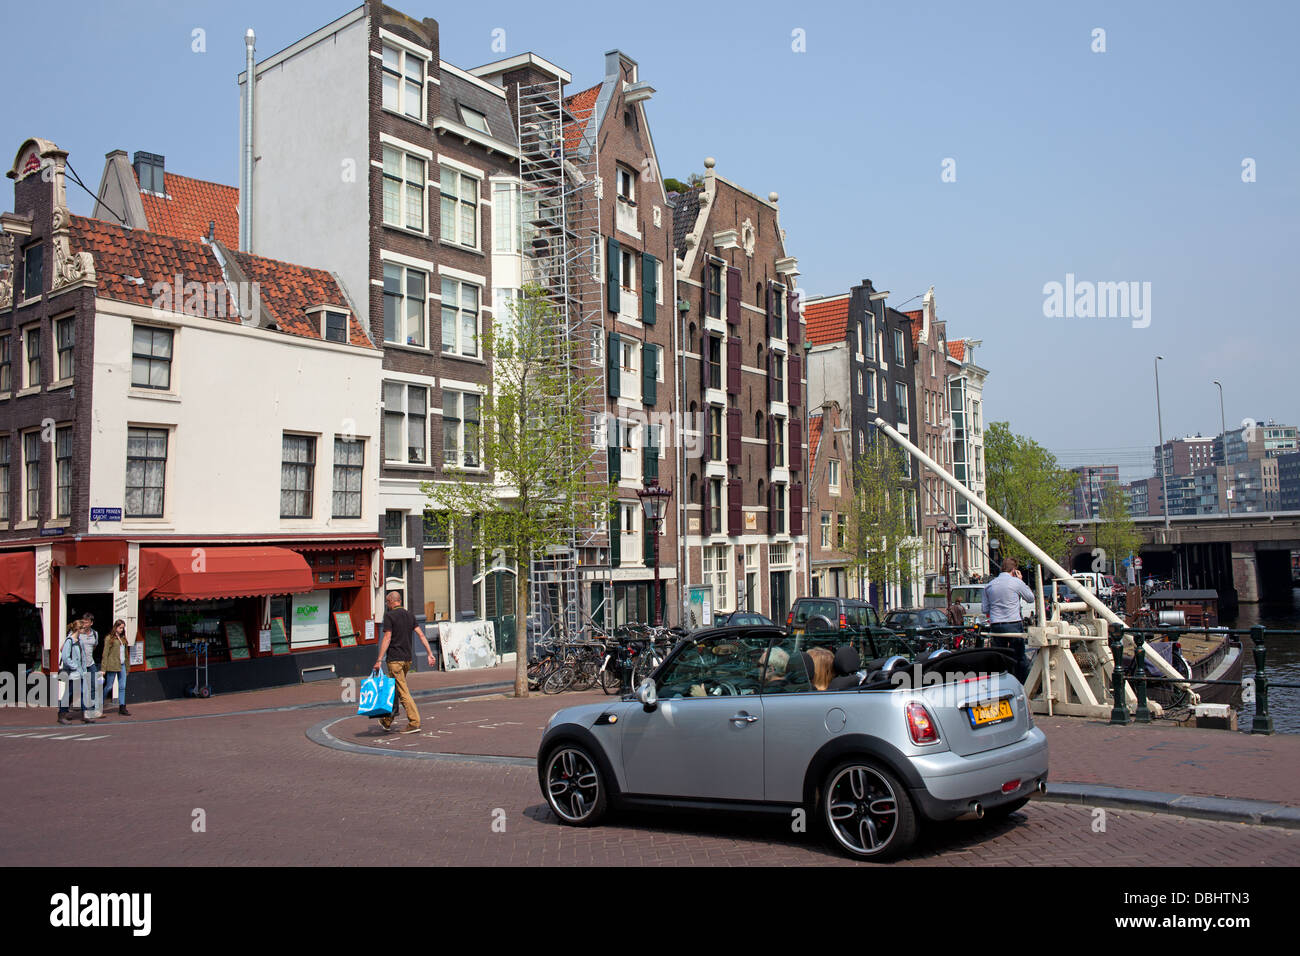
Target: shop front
[[21, 625]]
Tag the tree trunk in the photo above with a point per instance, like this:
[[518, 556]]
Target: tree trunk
[[521, 628]]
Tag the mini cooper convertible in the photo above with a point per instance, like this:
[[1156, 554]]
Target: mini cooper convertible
[[734, 719]]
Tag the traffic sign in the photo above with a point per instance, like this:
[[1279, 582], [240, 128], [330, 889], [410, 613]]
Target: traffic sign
[[1137, 563]]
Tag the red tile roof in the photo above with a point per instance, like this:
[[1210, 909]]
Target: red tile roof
[[188, 207], [957, 349], [917, 317], [814, 433], [581, 105], [131, 263], [827, 320]]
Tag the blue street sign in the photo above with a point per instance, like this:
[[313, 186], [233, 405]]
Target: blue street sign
[[52, 532], [105, 514]]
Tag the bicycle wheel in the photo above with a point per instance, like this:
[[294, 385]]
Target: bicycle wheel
[[611, 680], [585, 672], [558, 680], [645, 663]]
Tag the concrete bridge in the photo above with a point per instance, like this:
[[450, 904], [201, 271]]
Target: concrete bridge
[[1248, 553]]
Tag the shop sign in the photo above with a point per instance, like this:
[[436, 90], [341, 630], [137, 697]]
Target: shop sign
[[105, 514], [311, 619]]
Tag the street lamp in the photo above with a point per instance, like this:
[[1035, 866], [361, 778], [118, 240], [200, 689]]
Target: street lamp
[[1160, 426], [945, 531], [654, 501], [1223, 443]]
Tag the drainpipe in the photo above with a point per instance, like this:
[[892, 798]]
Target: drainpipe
[[246, 190]]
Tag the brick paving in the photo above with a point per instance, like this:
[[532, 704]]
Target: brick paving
[[270, 795]]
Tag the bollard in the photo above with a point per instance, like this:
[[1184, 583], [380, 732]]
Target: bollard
[[1143, 713], [1119, 712], [1263, 723]]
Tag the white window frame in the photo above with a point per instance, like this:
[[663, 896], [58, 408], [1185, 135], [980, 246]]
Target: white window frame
[[466, 112], [459, 461], [404, 186], [459, 347], [833, 475], [505, 217], [630, 375], [27, 463], [403, 79], [403, 317], [405, 412], [457, 200]]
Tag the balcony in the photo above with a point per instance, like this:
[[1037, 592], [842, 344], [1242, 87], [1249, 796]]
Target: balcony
[[625, 217]]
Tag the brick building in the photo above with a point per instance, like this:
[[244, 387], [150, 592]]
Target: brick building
[[832, 570], [744, 389]]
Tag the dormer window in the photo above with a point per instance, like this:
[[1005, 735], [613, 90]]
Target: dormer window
[[331, 322], [474, 120], [149, 173]]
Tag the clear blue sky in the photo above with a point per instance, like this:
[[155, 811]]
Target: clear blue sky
[[1117, 166]]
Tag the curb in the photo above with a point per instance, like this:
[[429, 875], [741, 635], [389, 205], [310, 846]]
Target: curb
[[1221, 809]]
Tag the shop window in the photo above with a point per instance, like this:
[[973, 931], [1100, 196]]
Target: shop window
[[146, 471], [349, 461], [297, 472]]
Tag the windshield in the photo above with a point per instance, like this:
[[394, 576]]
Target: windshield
[[968, 595], [806, 609]]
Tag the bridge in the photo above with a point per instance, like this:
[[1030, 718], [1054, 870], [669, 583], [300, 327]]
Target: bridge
[[1250, 554]]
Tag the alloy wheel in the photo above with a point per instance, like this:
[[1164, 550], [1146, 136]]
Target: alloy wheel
[[862, 810], [572, 785]]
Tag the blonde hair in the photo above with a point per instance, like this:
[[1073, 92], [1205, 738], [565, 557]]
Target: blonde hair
[[776, 660], [823, 661]]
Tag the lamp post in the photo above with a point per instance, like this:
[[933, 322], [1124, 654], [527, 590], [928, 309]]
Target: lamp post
[[654, 501], [1160, 426], [945, 530], [1223, 443]]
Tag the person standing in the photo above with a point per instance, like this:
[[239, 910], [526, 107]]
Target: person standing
[[399, 625], [91, 636], [73, 655], [1001, 606], [116, 657]]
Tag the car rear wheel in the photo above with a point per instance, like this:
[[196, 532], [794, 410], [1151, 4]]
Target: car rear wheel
[[867, 812], [574, 788]]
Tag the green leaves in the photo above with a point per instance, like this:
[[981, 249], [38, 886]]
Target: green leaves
[[880, 538], [1028, 488]]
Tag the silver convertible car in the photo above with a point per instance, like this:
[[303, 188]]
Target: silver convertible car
[[733, 718]]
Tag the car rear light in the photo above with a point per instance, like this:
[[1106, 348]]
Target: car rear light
[[789, 619], [1010, 785], [921, 725], [844, 622]]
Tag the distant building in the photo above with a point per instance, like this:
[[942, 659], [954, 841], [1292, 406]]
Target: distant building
[[1182, 494], [1184, 456], [1288, 476], [1090, 486], [1146, 498]]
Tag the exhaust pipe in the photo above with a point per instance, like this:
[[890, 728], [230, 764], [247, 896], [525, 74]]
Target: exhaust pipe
[[1042, 786], [974, 812]]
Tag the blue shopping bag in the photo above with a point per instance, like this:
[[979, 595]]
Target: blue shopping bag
[[378, 696]]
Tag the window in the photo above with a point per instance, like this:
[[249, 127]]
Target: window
[[713, 297], [151, 357], [437, 529], [406, 423], [6, 365], [63, 472], [715, 362], [869, 339], [403, 190], [505, 218], [841, 528], [474, 120], [778, 306], [778, 516], [778, 377], [33, 263], [834, 475], [335, 328], [64, 342], [715, 505], [404, 298], [460, 429], [717, 572], [715, 433], [628, 279], [297, 472], [626, 185], [899, 354], [349, 462], [778, 442], [394, 525], [146, 468], [659, 282], [859, 381], [4, 478], [900, 399], [403, 83], [32, 340], [459, 207], [826, 529], [32, 475], [460, 322]]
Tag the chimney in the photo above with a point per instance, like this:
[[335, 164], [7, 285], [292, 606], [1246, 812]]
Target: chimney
[[246, 185], [149, 172]]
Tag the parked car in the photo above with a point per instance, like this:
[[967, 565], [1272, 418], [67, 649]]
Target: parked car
[[971, 598], [730, 720], [749, 618], [830, 614], [920, 618]]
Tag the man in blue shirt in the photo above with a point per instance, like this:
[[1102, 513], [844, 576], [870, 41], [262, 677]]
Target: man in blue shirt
[[1001, 605]]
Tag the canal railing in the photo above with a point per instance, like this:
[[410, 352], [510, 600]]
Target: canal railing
[[878, 642]]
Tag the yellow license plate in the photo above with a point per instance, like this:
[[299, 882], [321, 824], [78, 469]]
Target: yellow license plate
[[981, 715]]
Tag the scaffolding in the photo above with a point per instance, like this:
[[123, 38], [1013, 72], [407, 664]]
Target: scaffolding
[[558, 166]]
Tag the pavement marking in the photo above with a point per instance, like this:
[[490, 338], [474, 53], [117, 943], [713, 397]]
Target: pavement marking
[[69, 737], [100, 737]]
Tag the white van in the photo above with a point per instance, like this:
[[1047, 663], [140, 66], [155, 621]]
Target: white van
[[1101, 585], [971, 598]]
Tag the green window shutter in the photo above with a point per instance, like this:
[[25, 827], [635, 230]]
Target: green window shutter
[[649, 288], [650, 463], [648, 545], [615, 536], [649, 373], [613, 264], [613, 363], [615, 453]]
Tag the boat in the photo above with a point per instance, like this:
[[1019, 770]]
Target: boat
[[1201, 656]]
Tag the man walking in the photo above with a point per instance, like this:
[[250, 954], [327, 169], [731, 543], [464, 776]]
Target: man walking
[[1001, 605], [399, 624]]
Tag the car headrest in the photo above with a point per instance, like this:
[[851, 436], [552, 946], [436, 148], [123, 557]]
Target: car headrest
[[847, 661], [800, 668]]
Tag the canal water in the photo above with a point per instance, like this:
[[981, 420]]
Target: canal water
[[1282, 662]]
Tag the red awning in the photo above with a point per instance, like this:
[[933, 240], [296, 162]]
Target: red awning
[[201, 573], [369, 545], [18, 577]]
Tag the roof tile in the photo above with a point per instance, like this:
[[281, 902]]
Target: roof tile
[[190, 205], [827, 321]]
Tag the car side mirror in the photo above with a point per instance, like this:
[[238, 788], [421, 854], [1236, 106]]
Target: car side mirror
[[648, 694]]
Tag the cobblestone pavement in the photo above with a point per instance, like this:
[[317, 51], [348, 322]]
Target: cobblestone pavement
[[265, 794]]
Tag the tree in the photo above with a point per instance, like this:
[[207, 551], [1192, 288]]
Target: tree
[[1028, 488], [536, 441], [881, 536], [1117, 536]]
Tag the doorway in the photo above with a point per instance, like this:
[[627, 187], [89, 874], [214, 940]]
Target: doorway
[[101, 606], [780, 585]]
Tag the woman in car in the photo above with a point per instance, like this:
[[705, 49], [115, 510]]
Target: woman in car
[[823, 662]]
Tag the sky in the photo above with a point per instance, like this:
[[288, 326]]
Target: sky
[[985, 149]]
